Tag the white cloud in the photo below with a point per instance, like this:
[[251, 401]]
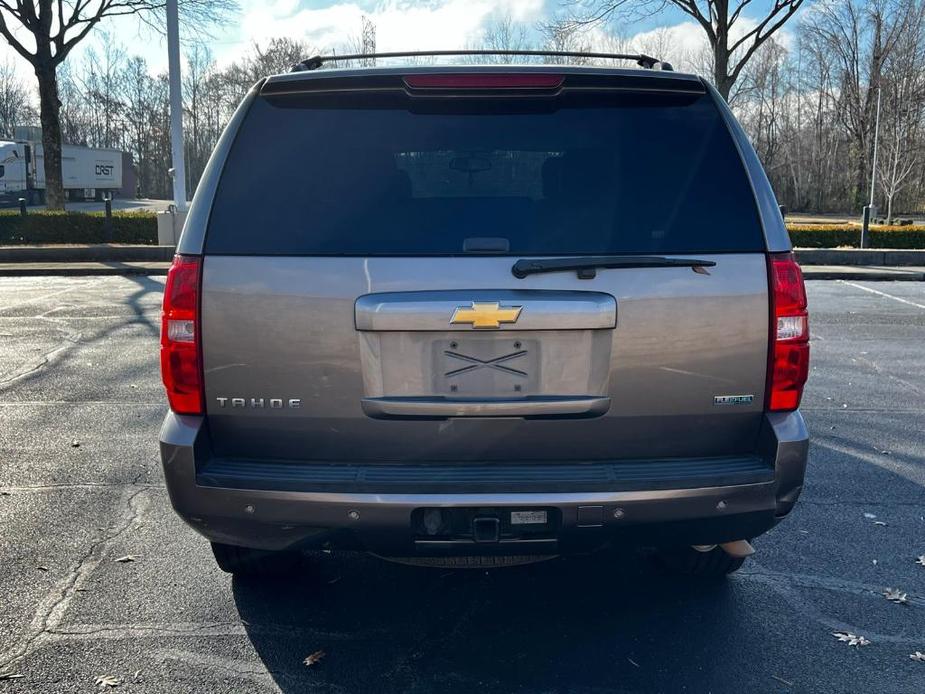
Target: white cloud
[[687, 37], [686, 45], [400, 24]]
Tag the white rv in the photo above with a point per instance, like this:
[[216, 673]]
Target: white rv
[[87, 172]]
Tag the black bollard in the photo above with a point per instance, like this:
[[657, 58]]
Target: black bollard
[[865, 226], [107, 225], [22, 207]]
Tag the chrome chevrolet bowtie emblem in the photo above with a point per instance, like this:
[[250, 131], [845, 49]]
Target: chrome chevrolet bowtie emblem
[[486, 315]]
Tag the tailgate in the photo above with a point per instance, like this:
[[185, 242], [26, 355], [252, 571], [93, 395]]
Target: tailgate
[[630, 369]]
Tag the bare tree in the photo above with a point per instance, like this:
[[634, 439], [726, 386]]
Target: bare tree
[[278, 55], [858, 36], [501, 34], [732, 39], [900, 156], [55, 27], [368, 40], [197, 86], [147, 124], [762, 101], [101, 84], [565, 35], [15, 108], [903, 118]]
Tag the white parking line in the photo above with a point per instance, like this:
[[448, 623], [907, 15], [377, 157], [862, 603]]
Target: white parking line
[[878, 292]]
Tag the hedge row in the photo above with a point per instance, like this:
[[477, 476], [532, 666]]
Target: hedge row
[[77, 227], [141, 228], [834, 236]]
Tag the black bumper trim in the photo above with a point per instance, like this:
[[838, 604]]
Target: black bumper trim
[[687, 473]]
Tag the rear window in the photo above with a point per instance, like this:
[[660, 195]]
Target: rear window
[[589, 175]]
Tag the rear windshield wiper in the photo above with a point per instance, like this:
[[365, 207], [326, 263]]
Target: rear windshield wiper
[[587, 267]]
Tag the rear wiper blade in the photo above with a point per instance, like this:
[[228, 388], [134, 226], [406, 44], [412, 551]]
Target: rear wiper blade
[[586, 267]]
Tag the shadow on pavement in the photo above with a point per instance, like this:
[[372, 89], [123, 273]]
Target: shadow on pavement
[[603, 622]]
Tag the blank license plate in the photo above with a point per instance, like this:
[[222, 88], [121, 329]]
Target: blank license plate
[[528, 517]]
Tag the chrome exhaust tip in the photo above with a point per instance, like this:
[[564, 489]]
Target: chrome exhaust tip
[[738, 549]]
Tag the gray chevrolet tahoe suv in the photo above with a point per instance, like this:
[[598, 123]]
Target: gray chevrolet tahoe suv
[[482, 315]]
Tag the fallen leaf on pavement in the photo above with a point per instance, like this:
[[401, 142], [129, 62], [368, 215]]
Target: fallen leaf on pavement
[[17, 676], [879, 523], [850, 639], [314, 657], [869, 515], [920, 657], [127, 558], [42, 568], [896, 595], [75, 444], [782, 680], [104, 681], [920, 560], [633, 662]]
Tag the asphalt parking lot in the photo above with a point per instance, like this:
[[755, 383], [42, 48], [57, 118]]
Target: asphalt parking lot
[[81, 488]]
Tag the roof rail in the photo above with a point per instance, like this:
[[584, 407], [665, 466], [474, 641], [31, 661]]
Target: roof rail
[[641, 59]]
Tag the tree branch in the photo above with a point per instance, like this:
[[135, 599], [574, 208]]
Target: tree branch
[[738, 11], [13, 41], [791, 6], [689, 7]]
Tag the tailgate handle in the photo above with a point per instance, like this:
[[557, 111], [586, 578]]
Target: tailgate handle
[[444, 408], [543, 309]]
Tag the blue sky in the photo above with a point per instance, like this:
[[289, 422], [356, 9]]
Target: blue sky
[[401, 24]]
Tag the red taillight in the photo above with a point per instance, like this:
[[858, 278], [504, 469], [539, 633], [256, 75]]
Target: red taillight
[[181, 364], [789, 348], [486, 80]]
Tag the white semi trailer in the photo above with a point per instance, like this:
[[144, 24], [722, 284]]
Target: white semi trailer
[[87, 172]]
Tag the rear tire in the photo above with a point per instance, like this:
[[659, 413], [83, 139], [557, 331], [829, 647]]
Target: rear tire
[[687, 561], [244, 561]]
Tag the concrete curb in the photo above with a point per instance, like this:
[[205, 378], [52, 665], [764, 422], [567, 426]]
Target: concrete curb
[[82, 269], [868, 274], [102, 253], [857, 256]]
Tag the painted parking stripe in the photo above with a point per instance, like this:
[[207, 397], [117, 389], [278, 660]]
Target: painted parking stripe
[[877, 291]]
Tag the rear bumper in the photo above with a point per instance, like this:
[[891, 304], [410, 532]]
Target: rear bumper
[[279, 505]]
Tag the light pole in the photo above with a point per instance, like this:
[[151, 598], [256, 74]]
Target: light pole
[[869, 210], [873, 170], [176, 106]]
